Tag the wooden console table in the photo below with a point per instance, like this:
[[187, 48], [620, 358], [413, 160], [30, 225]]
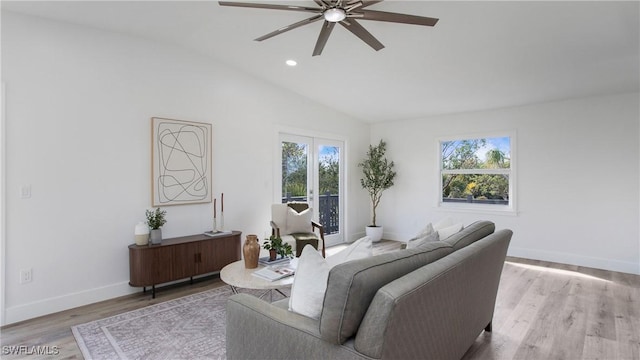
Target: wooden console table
[[181, 258]]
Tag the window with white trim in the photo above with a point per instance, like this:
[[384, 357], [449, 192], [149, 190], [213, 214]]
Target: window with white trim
[[477, 173]]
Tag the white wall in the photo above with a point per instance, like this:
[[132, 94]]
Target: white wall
[[577, 178], [79, 103]]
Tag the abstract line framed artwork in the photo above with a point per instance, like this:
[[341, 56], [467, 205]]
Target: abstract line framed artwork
[[180, 162]]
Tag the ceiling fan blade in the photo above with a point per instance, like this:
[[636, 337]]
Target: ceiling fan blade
[[270, 6], [395, 17], [290, 27], [327, 27], [362, 33], [323, 3], [366, 3]]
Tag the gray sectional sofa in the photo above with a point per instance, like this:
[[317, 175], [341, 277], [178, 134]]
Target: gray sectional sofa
[[430, 302]]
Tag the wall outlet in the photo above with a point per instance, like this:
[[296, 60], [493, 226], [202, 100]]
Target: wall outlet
[[25, 192], [26, 276]]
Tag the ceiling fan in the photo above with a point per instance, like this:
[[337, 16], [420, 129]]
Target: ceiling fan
[[344, 12]]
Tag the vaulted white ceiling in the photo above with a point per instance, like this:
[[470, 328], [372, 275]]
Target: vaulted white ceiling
[[480, 55]]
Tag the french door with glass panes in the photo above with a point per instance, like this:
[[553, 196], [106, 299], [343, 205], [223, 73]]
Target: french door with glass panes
[[312, 171]]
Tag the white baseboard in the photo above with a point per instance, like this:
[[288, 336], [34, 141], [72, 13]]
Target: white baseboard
[[60, 303], [393, 236], [573, 259]]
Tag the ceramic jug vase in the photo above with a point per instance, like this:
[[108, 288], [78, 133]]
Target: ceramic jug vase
[[251, 252]]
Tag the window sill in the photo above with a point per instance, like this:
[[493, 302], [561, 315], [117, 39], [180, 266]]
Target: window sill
[[502, 210]]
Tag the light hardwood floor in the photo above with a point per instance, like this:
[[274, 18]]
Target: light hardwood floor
[[544, 311], [554, 311]]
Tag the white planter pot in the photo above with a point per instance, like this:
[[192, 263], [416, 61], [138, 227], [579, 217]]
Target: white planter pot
[[156, 236], [374, 232]]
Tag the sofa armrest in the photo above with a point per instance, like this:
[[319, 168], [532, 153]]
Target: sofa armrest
[[314, 226], [438, 310], [257, 329]]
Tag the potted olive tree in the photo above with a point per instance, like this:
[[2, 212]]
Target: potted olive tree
[[155, 220], [378, 175]]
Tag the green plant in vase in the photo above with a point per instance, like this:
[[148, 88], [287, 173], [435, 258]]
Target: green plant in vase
[[276, 247], [155, 220]]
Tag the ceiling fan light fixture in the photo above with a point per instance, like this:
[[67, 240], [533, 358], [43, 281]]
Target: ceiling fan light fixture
[[345, 12], [334, 15]]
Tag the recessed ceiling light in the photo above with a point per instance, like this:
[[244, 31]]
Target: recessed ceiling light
[[291, 62]]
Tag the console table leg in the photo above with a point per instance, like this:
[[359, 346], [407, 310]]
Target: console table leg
[[153, 291]]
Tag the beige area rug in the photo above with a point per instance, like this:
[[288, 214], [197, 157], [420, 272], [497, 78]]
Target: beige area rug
[[191, 327]]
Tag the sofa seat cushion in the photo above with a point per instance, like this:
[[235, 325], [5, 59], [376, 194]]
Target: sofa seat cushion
[[351, 286], [470, 234], [302, 240]]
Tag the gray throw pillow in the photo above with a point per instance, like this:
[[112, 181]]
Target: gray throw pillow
[[423, 240]]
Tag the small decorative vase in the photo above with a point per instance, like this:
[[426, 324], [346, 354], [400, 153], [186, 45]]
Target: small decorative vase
[[142, 234], [251, 252], [156, 236], [272, 254]]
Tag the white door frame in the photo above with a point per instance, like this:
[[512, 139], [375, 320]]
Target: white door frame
[[3, 210], [316, 139], [338, 238]]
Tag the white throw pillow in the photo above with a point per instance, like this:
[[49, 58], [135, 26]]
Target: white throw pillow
[[298, 222], [310, 280], [422, 240], [309, 283], [444, 223], [359, 249], [448, 231], [427, 230]]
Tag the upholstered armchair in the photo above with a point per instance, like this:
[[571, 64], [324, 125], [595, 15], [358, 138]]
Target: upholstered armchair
[[293, 223]]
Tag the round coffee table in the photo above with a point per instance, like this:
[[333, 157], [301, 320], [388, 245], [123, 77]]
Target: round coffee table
[[237, 276]]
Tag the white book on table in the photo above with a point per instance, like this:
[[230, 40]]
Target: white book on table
[[273, 273]]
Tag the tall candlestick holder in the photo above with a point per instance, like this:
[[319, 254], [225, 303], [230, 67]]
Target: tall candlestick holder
[[215, 226], [221, 223]]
